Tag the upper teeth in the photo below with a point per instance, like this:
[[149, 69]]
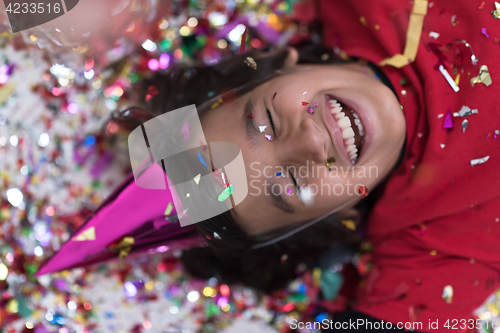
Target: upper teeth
[[345, 125]]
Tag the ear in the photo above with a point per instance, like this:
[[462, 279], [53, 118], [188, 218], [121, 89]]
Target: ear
[[292, 58]]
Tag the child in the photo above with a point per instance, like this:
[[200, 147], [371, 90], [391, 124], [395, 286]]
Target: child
[[434, 223]]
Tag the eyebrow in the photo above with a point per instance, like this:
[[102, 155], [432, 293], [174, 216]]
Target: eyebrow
[[251, 127], [278, 199]]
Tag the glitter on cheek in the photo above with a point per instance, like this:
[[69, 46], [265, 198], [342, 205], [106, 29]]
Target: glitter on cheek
[[270, 138]]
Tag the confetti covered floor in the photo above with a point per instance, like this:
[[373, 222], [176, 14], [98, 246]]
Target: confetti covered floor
[[55, 167]]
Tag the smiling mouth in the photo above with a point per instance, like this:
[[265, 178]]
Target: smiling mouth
[[353, 133]]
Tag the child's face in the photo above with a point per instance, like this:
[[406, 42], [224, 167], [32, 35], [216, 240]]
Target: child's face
[[303, 141]]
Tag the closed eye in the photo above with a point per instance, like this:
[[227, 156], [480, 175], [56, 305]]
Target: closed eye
[[294, 181], [271, 121]]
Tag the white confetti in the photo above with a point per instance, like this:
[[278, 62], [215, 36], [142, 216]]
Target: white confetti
[[464, 125], [479, 160], [197, 178], [433, 34], [441, 115], [447, 294], [306, 195], [449, 79], [262, 128], [442, 145], [305, 92]]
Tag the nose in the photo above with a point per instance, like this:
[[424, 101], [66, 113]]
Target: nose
[[306, 142]]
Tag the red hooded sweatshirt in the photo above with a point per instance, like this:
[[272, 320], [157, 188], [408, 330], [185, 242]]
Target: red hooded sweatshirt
[[436, 224]]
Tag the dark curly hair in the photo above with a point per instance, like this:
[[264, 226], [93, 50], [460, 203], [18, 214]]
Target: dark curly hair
[[229, 256]]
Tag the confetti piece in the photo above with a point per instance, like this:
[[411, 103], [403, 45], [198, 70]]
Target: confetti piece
[[479, 160], [315, 105], [448, 121], [270, 138], [497, 132], [447, 294], [251, 63], [457, 79], [363, 191], [483, 31], [330, 161], [349, 224], [465, 111], [440, 115], [483, 77], [262, 128], [186, 132], [362, 20], [434, 35], [187, 195], [464, 125], [413, 33], [216, 104], [448, 78], [481, 6], [216, 235], [202, 160], [123, 247], [454, 21], [305, 103], [496, 12], [226, 193], [243, 40], [197, 178], [170, 206], [442, 145], [88, 234], [310, 110], [306, 195], [305, 92], [278, 174], [250, 115], [289, 191]]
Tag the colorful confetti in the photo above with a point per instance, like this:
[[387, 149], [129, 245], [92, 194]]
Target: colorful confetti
[[448, 121], [270, 138], [226, 193]]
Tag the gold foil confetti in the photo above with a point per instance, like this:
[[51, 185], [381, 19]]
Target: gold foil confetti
[[349, 224], [362, 20], [483, 77], [447, 294], [251, 63], [457, 79], [479, 160], [413, 33], [330, 161], [216, 103], [123, 247], [88, 234]]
